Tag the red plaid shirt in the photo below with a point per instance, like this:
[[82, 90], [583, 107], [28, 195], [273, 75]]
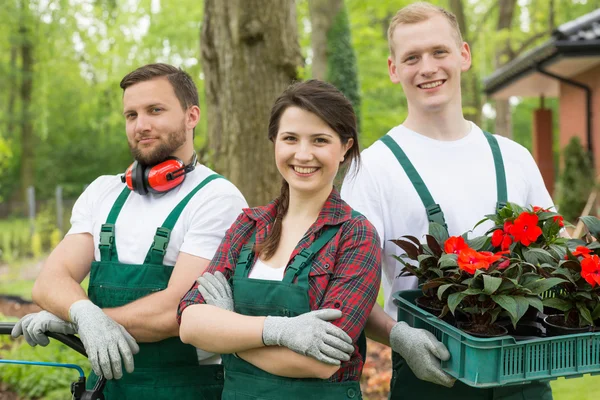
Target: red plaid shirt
[[345, 274]]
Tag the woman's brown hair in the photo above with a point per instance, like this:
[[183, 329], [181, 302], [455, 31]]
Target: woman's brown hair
[[330, 105]]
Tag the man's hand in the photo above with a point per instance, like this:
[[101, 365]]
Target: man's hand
[[106, 342], [310, 335], [34, 326], [216, 290], [422, 352]]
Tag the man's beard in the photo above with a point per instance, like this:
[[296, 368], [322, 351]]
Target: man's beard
[[161, 151]]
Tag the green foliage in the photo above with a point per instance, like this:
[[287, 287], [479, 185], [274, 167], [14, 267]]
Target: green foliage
[[37, 381], [15, 240], [576, 181], [341, 61]]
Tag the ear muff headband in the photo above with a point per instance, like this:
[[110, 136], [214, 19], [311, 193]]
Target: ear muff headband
[[159, 178], [138, 179]]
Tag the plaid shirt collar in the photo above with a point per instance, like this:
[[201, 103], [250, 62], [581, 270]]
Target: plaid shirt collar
[[334, 212]]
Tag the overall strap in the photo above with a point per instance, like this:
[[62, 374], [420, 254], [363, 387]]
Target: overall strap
[[157, 251], [244, 262], [434, 211], [304, 258], [500, 173], [108, 246]]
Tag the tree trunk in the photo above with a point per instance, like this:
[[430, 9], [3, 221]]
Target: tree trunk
[[471, 93], [322, 14], [503, 111], [27, 138], [250, 54]]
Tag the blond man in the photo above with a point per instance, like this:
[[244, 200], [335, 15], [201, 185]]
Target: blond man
[[452, 156]]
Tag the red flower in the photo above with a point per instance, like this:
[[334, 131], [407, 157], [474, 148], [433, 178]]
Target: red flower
[[501, 237], [559, 220], [525, 229], [590, 270], [469, 260], [455, 244], [581, 251]]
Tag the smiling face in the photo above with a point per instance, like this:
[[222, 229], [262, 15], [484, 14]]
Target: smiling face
[[308, 152], [157, 127], [428, 62]]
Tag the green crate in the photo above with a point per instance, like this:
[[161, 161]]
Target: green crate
[[492, 362]]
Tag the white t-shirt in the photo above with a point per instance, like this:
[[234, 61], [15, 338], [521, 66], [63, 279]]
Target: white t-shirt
[[198, 231], [260, 270], [461, 178]]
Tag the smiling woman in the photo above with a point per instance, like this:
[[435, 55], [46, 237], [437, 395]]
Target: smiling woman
[[301, 261]]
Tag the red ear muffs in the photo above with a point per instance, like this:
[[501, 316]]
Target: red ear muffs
[[159, 178], [162, 177]]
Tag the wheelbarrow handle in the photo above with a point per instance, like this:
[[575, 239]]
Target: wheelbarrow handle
[[70, 340]]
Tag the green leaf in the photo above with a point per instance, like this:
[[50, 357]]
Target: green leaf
[[560, 251], [423, 257], [565, 273], [542, 285], [559, 304], [536, 303], [537, 256], [491, 284], [508, 303], [442, 289], [596, 312], [438, 232], [592, 224], [522, 306], [448, 260], [478, 243], [585, 295], [584, 312], [454, 300]]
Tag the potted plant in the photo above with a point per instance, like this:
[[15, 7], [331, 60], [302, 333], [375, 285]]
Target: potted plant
[[576, 302], [489, 277]]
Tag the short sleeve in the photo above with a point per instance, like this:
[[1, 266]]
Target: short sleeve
[[538, 193], [361, 192], [82, 214], [211, 219]]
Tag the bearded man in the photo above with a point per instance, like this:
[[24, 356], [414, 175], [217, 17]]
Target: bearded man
[[166, 216]]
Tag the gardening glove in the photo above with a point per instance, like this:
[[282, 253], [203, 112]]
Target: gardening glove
[[216, 290], [34, 326], [311, 335], [422, 352], [106, 342]]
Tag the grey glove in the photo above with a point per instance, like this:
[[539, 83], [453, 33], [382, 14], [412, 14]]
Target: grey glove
[[216, 290], [422, 352], [34, 326], [310, 335], [106, 342]]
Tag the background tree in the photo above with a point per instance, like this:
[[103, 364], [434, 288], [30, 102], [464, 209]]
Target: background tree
[[576, 181], [333, 57], [250, 54]]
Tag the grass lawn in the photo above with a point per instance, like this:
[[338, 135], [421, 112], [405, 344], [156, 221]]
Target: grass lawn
[[585, 388]]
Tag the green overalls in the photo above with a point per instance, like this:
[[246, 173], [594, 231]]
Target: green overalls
[[404, 384], [167, 369], [289, 298]]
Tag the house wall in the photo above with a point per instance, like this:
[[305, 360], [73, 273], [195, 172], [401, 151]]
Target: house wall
[[573, 115]]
